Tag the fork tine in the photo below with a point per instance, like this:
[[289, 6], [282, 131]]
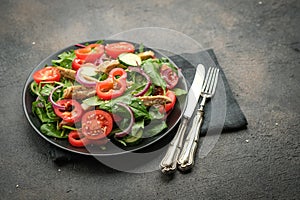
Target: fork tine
[[207, 81], [215, 81], [211, 80]]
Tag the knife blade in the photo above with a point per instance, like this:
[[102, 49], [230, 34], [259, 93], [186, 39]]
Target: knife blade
[[169, 162], [195, 91]]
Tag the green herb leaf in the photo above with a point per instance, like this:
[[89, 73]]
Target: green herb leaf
[[154, 128], [93, 101], [179, 91], [50, 112], [50, 129], [152, 69], [65, 59], [38, 108], [100, 42], [138, 125], [155, 114], [141, 48]]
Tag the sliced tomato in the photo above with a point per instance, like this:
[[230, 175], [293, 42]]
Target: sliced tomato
[[115, 49], [96, 124], [110, 88], [77, 139], [172, 96], [72, 112], [169, 75], [77, 63], [47, 74], [90, 53]]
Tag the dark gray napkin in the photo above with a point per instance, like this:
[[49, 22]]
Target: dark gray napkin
[[234, 120]]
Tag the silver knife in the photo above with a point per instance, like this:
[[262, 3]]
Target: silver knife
[[169, 162]]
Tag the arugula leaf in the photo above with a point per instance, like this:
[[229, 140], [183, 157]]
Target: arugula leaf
[[67, 82], [138, 108], [51, 130], [136, 127], [46, 90], [92, 101], [41, 113], [138, 83], [65, 59], [121, 141], [155, 114], [100, 42], [154, 128], [141, 48], [50, 112], [135, 136], [179, 91], [152, 69], [34, 88], [109, 105]]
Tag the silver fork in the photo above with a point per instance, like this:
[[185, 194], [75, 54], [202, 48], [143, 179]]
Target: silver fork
[[187, 155]]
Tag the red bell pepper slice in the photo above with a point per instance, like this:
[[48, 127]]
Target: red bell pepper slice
[[110, 88], [77, 139], [90, 53], [72, 112]]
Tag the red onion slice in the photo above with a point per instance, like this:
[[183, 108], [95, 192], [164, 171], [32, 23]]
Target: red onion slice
[[54, 104], [80, 75], [128, 129], [140, 71], [80, 45]]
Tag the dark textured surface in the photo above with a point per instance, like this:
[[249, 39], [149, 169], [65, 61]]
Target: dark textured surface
[[257, 44]]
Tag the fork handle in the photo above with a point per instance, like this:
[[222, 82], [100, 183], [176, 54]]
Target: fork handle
[[169, 162], [187, 156]]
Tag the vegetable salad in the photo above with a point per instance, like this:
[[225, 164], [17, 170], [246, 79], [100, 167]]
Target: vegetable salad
[[100, 92]]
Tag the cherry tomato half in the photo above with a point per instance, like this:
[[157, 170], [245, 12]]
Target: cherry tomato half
[[172, 96], [115, 49], [72, 112], [110, 88], [76, 64], [90, 53], [96, 124], [46, 74]]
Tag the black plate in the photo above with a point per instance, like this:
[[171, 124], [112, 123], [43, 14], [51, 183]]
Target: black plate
[[112, 148]]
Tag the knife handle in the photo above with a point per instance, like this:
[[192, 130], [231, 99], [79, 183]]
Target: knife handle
[[187, 156], [169, 162]]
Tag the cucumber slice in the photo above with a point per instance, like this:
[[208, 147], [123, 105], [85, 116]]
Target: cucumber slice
[[88, 70], [129, 59], [133, 140]]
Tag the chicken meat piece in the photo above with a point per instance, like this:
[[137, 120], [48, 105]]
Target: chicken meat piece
[[145, 55], [67, 73], [78, 92], [107, 66], [155, 100]]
